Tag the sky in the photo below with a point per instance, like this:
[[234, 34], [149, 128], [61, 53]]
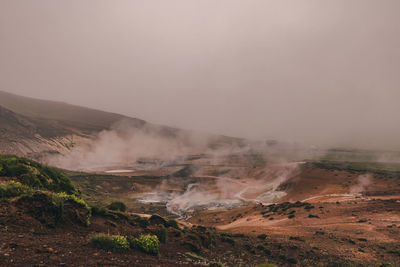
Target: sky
[[308, 71]]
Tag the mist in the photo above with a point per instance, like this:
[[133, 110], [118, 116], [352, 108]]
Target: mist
[[307, 71]]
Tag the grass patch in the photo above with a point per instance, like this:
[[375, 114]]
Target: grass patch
[[34, 174], [390, 169], [110, 242], [147, 243], [13, 189]]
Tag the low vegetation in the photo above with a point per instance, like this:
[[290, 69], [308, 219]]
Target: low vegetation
[[117, 206], [162, 234], [389, 169], [31, 183], [12, 188], [146, 243], [34, 174], [118, 243], [288, 205], [172, 223], [110, 242]]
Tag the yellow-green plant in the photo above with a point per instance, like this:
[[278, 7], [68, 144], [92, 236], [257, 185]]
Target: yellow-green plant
[[147, 243], [110, 242], [12, 189]]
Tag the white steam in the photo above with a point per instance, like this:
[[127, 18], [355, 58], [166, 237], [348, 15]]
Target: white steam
[[363, 182], [126, 143], [212, 192]]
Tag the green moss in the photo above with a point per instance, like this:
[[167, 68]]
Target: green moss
[[35, 175], [13, 189], [110, 242], [146, 243], [66, 197]]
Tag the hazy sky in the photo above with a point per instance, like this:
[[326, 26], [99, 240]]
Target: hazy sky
[[310, 71]]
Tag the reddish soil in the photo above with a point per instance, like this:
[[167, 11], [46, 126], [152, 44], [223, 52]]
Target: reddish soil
[[365, 231], [28, 239]]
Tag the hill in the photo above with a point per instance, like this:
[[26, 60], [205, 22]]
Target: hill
[[35, 128], [82, 118]]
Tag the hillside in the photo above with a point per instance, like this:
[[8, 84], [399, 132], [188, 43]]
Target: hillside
[[35, 128], [24, 136], [82, 118]]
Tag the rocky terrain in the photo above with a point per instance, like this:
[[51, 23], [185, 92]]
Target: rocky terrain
[[138, 194]]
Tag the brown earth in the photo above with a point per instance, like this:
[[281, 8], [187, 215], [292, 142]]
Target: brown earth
[[31, 236]]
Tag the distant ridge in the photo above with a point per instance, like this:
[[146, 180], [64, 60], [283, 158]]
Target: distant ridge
[[86, 119], [33, 127]]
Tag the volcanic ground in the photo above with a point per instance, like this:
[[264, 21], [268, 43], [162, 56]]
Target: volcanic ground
[[319, 207]]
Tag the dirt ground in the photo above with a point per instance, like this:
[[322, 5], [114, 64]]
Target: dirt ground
[[323, 217]]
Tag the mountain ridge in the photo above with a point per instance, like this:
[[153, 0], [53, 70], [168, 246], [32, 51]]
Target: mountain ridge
[[30, 127]]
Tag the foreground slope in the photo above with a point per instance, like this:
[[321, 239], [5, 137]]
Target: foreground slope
[[41, 226]]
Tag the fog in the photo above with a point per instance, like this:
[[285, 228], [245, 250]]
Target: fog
[[307, 71]]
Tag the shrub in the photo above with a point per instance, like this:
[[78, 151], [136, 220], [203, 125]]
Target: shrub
[[162, 234], [195, 237], [62, 197], [99, 210], [172, 223], [146, 243], [309, 207], [262, 236], [110, 242], [117, 206], [14, 189], [142, 221], [227, 239], [73, 198], [157, 219], [35, 175]]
